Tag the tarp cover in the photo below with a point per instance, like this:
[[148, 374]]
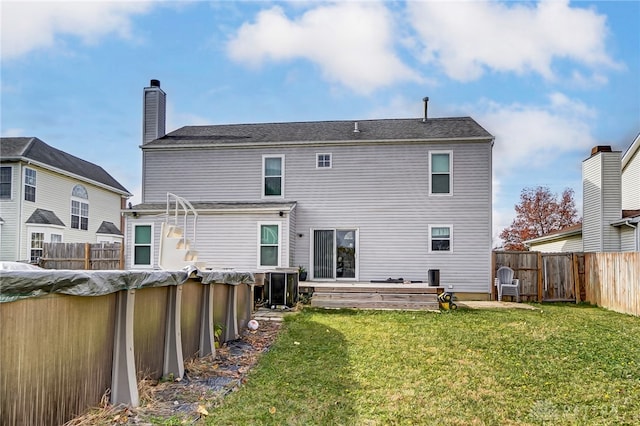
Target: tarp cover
[[226, 277], [21, 284]]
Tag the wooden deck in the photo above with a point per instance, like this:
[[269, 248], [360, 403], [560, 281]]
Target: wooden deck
[[397, 296]]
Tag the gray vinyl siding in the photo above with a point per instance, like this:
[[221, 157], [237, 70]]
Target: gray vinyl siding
[[631, 183], [154, 114], [602, 202], [382, 190]]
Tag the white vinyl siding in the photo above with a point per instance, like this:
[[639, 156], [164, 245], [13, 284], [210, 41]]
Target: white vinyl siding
[[601, 202], [631, 183], [54, 191], [380, 189], [566, 245]]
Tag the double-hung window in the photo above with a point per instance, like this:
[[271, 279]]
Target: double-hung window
[[79, 208], [323, 161], [142, 245], [29, 184], [440, 237], [269, 244], [273, 176], [37, 246], [5, 183], [440, 169]]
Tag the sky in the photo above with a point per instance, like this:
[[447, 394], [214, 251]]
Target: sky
[[549, 79]]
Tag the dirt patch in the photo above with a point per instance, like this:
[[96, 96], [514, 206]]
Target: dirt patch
[[205, 383]]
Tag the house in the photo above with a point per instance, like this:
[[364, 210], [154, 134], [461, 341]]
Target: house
[[47, 195], [351, 201], [611, 206]]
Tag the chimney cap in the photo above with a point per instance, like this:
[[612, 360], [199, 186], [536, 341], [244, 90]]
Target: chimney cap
[[155, 83], [600, 148]]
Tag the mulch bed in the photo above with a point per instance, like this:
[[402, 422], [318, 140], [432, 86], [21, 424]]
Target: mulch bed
[[205, 383]]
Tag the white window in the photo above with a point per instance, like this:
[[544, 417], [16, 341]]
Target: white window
[[56, 238], [440, 238], [273, 176], [268, 245], [79, 208], [36, 249], [323, 161], [29, 184], [5, 183], [142, 245], [440, 171]]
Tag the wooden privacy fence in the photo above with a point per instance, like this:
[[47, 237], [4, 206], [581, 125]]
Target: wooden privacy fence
[[87, 256], [610, 280], [613, 281]]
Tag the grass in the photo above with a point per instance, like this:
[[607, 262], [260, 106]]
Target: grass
[[561, 364]]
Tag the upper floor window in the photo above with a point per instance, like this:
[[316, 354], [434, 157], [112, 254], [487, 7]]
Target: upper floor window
[[440, 238], [142, 245], [5, 183], [273, 176], [29, 184], [79, 208], [440, 166], [323, 161]]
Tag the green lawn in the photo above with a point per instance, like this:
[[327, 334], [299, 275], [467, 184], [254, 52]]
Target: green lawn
[[561, 364]]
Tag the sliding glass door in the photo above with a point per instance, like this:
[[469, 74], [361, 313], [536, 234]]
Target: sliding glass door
[[335, 254]]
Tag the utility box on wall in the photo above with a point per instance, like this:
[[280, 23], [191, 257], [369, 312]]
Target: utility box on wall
[[282, 287]]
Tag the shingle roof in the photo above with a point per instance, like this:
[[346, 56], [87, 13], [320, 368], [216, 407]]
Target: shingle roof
[[34, 149], [108, 228], [219, 206], [44, 217], [324, 131]]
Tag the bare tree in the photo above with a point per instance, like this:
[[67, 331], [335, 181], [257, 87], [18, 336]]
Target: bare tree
[[539, 213]]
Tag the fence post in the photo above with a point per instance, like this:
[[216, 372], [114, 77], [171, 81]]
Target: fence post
[[87, 255], [576, 276], [539, 273], [124, 387], [493, 274]]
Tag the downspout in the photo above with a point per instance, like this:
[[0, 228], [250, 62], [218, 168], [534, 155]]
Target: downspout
[[20, 209]]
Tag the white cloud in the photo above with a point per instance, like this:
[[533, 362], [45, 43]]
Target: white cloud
[[469, 38], [27, 25], [14, 132], [536, 135], [351, 42]]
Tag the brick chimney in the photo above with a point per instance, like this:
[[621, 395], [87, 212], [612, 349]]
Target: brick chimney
[[154, 112]]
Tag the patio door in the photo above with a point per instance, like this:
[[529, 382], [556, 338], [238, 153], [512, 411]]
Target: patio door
[[335, 254]]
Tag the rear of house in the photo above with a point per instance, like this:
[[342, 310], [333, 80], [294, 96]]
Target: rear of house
[[351, 201]]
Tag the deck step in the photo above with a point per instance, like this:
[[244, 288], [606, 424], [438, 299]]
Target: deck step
[[376, 297]]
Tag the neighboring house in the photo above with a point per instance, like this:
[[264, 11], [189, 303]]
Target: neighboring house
[[348, 200], [47, 195], [611, 206]]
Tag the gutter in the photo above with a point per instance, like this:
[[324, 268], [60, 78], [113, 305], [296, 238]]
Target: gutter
[[270, 144]]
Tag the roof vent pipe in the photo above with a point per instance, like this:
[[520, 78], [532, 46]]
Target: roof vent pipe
[[355, 128], [426, 105]]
